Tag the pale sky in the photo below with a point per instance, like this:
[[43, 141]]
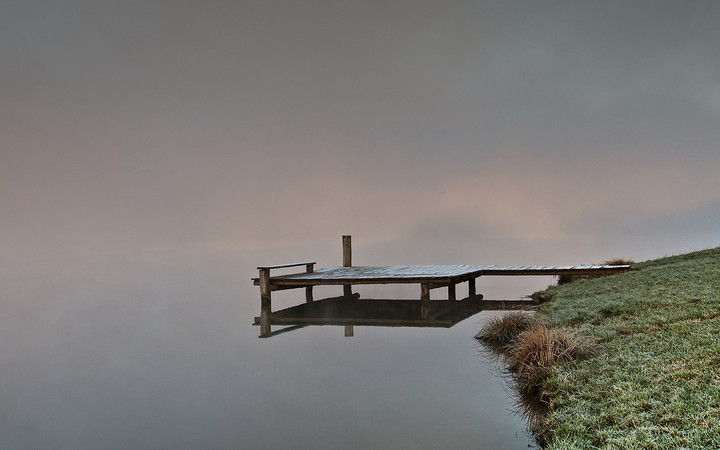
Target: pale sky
[[585, 128]]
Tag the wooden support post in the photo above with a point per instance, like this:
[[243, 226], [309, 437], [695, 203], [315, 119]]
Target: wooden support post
[[265, 303], [424, 300], [471, 287], [309, 289], [349, 331], [347, 261], [347, 251], [451, 293]]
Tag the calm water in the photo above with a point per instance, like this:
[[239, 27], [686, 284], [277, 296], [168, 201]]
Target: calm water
[[157, 350]]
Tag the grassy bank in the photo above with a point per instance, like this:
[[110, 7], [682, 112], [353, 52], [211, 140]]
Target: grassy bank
[[654, 380]]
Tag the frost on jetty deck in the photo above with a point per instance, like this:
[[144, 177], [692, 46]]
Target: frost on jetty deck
[[443, 275], [428, 277]]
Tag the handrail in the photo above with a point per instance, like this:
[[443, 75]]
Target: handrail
[[307, 264], [266, 287]]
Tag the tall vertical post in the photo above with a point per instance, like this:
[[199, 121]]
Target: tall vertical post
[[349, 332], [347, 261], [347, 251], [471, 287], [451, 293], [265, 303]]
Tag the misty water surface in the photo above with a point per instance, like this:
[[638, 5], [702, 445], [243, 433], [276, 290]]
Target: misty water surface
[[156, 349]]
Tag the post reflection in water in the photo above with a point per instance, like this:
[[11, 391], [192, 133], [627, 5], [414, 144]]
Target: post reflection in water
[[351, 311]]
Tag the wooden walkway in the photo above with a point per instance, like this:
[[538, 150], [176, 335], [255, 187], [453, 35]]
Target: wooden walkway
[[425, 274], [428, 277]]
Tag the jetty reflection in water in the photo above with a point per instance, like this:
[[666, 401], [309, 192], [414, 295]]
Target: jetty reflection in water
[[351, 311]]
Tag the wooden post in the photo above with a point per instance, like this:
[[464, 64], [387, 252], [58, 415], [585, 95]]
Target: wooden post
[[347, 261], [349, 332], [309, 289], [451, 293], [424, 300], [265, 303], [471, 287], [347, 251]]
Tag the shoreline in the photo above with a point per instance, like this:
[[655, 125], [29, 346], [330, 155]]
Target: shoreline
[[653, 380]]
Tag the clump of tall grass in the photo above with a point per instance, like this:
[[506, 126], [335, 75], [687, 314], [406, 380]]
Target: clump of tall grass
[[502, 330], [530, 348], [536, 350], [618, 262]]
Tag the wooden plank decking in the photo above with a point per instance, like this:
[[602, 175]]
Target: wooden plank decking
[[427, 274], [428, 277]]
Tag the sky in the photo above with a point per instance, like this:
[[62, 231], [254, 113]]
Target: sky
[[531, 131], [137, 133]]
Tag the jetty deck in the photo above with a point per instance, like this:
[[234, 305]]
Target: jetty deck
[[436, 274], [427, 276]]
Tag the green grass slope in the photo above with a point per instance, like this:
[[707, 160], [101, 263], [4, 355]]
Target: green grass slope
[[655, 380]]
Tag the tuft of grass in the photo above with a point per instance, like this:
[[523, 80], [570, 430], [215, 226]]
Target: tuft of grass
[[531, 348], [618, 262], [503, 330], [538, 349]]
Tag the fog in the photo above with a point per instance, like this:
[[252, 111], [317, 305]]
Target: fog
[[573, 131], [153, 154]]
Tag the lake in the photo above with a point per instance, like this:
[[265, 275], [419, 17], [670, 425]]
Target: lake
[[156, 349]]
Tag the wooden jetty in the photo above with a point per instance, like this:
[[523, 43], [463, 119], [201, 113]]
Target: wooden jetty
[[427, 276]]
